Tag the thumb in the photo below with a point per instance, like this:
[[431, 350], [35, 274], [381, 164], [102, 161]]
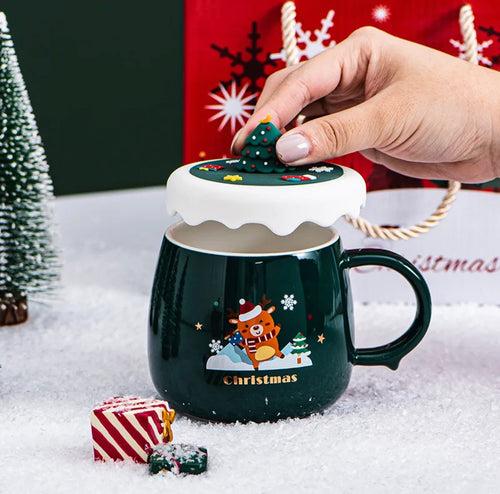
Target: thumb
[[355, 129]]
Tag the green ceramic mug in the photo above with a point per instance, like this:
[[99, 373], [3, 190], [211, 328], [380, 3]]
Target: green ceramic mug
[[246, 325]]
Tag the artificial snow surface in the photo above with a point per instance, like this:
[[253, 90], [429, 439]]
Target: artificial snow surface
[[431, 426]]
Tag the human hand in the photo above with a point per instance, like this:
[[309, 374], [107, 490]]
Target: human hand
[[418, 111]]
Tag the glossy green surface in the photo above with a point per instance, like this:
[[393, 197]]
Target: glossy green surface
[[192, 287]]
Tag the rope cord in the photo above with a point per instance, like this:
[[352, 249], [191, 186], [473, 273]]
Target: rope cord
[[468, 31]]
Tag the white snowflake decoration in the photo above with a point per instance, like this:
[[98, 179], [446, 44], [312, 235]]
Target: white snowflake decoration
[[215, 346], [288, 302], [480, 49], [308, 48], [321, 169], [232, 106], [380, 13]]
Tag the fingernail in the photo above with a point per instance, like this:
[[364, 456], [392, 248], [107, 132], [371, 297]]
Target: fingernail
[[292, 147], [233, 142]]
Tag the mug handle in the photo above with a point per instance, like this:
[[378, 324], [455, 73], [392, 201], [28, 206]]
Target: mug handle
[[391, 353]]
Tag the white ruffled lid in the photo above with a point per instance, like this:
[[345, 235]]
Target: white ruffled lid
[[281, 208]]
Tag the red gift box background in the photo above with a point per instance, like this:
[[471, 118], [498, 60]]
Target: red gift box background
[[231, 47]]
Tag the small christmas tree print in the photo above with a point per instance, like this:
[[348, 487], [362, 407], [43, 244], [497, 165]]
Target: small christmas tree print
[[28, 260], [300, 347], [259, 153]]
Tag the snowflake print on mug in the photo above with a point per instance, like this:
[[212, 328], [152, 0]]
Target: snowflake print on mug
[[288, 302], [215, 346]]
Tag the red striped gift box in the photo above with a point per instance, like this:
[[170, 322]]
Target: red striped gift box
[[127, 427]]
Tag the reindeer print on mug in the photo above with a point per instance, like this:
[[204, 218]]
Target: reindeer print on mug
[[253, 343], [258, 332]]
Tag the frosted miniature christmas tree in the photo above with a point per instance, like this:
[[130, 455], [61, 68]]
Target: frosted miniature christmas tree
[[28, 260], [300, 347], [259, 153]]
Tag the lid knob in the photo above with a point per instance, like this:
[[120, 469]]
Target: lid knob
[[258, 188], [259, 153]]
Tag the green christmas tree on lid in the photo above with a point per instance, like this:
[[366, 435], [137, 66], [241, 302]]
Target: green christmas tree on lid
[[300, 347], [259, 153]]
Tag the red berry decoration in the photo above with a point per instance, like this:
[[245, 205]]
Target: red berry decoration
[[214, 168], [298, 178]]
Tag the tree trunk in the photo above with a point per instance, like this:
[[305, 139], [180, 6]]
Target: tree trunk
[[299, 359], [13, 309]]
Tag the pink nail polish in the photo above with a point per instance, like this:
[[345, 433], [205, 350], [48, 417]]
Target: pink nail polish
[[292, 147]]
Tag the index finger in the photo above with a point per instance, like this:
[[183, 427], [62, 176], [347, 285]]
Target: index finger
[[311, 81]]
